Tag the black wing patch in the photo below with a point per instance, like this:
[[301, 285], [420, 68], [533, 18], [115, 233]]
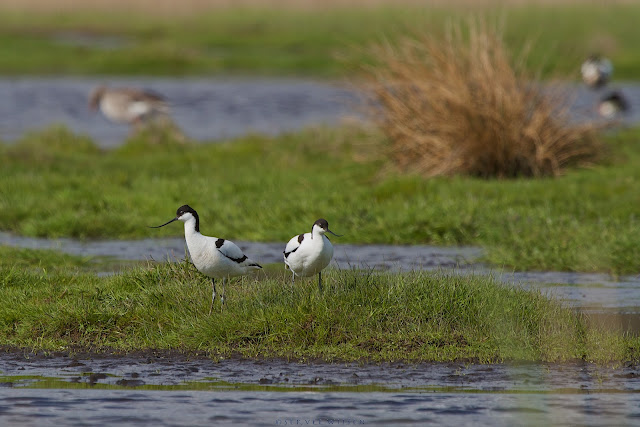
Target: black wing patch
[[238, 260], [219, 244], [300, 239]]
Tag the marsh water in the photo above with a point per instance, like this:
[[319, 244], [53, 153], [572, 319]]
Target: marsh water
[[151, 389], [215, 109], [171, 389], [204, 109]]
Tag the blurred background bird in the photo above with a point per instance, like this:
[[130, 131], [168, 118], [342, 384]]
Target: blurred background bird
[[596, 71], [128, 105], [613, 104]]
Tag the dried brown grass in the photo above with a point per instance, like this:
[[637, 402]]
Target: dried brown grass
[[460, 104]]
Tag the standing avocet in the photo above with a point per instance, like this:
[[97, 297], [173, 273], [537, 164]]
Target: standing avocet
[[213, 257], [309, 253]]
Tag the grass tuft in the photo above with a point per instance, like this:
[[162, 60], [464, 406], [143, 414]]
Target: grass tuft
[[421, 316], [462, 104]]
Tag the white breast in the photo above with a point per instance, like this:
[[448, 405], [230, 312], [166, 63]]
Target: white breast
[[311, 256]]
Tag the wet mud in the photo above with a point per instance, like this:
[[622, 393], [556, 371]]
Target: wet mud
[[171, 369]]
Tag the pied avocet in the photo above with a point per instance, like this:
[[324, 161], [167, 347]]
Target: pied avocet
[[214, 257], [309, 253]]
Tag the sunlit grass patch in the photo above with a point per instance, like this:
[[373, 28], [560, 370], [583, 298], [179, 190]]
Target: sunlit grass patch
[[359, 316], [265, 188]]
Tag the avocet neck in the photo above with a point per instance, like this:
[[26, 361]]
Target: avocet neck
[[190, 228]]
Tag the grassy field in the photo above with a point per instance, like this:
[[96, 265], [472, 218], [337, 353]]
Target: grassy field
[[52, 261], [259, 188], [141, 38], [359, 316], [55, 183]]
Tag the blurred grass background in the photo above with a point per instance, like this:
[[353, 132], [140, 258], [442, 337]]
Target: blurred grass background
[[285, 37]]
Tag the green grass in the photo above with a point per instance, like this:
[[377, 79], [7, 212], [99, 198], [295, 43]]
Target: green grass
[[359, 316], [39, 260], [325, 43], [55, 184]]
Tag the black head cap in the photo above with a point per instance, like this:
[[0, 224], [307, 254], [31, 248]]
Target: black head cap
[[184, 209], [188, 209], [322, 223]]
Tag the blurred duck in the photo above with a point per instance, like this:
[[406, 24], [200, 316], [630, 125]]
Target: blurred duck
[[127, 105], [613, 104], [596, 71]]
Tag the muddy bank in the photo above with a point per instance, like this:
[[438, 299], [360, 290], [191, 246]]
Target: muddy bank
[[158, 368]]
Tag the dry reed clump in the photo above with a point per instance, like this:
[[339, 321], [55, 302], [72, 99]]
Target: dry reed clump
[[460, 105]]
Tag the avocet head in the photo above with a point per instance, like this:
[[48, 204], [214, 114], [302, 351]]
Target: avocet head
[[322, 226], [184, 214]]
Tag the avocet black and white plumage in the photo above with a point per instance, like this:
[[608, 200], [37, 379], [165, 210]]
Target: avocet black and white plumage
[[596, 71], [612, 105], [214, 257], [309, 253]]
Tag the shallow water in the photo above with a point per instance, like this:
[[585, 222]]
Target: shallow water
[[174, 390], [169, 408], [213, 109], [205, 109]]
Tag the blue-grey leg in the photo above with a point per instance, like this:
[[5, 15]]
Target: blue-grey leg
[[320, 281], [213, 295], [224, 282], [293, 277]]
